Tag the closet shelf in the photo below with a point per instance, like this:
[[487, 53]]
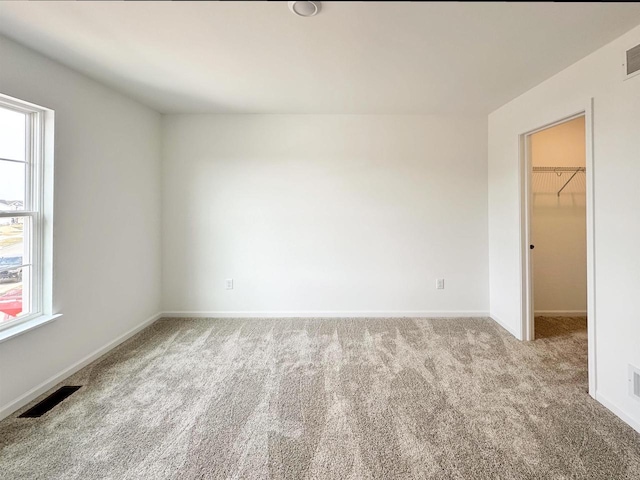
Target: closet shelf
[[558, 171]]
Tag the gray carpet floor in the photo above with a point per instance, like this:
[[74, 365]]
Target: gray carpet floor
[[329, 399]]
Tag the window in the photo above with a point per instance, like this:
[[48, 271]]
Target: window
[[23, 214]]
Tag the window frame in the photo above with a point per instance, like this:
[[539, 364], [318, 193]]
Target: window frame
[[35, 208]]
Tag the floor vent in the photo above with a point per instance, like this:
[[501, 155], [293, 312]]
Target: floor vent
[[632, 62], [51, 401], [634, 382]]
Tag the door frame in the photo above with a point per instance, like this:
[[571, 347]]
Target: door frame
[[526, 203]]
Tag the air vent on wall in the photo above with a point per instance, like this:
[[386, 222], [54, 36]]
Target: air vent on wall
[[634, 382], [632, 62]]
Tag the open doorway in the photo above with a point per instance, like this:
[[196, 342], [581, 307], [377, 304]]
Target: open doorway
[[557, 233], [559, 229]]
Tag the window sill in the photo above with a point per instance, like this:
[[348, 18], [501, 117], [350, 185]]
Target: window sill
[[23, 327]]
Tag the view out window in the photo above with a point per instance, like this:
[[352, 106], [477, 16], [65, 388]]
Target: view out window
[[21, 212]]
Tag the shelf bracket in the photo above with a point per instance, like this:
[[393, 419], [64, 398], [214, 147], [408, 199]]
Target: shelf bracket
[[570, 178]]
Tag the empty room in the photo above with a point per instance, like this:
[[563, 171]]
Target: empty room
[[319, 240]]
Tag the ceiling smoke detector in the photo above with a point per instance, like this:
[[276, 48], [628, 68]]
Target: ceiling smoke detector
[[304, 8]]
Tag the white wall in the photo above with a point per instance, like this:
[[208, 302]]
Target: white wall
[[617, 206], [107, 220], [559, 223], [324, 214]]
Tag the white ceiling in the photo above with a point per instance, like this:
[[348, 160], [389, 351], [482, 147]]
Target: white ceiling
[[354, 57]]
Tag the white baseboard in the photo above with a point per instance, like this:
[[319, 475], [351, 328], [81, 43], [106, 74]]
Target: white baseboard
[[561, 313], [320, 314], [32, 394], [506, 326], [618, 412]]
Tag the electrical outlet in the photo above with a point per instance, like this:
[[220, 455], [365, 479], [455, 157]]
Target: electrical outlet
[[228, 283], [440, 283]]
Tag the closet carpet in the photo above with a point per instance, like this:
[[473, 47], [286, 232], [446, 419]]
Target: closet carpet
[[329, 399]]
